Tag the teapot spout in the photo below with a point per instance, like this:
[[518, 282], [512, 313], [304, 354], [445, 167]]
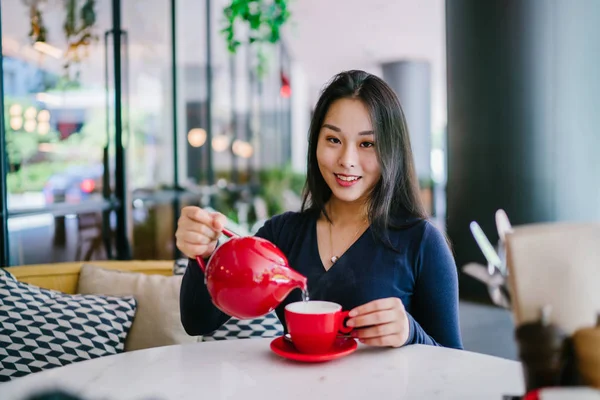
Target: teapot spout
[[301, 282], [298, 280], [294, 281]]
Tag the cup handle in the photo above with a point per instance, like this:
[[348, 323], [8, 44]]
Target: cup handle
[[343, 318]]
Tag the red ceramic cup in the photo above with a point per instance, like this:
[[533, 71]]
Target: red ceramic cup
[[314, 325]]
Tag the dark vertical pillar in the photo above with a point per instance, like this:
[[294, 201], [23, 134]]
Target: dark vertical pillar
[[411, 80], [174, 92], [176, 187], [4, 251], [122, 244], [523, 94], [196, 116]]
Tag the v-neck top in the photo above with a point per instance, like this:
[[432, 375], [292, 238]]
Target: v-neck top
[[420, 270]]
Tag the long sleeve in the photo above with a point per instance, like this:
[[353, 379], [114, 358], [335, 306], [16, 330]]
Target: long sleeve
[[434, 313], [199, 315]]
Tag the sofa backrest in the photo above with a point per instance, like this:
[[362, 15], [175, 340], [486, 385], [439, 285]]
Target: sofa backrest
[[64, 276]]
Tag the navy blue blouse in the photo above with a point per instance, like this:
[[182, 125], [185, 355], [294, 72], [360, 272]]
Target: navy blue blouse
[[420, 271]]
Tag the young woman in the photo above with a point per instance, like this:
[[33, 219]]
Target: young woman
[[362, 238]]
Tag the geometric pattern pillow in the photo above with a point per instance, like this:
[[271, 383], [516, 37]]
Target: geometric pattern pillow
[[42, 329], [179, 266], [263, 327]]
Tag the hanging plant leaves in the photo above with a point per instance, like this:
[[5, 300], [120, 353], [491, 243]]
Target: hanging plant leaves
[[264, 19], [78, 28], [37, 29], [88, 15], [69, 25]]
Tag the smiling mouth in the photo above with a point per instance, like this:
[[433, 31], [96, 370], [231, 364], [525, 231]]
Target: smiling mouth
[[347, 178]]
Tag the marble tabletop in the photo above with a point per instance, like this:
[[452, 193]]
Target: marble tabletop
[[247, 369]]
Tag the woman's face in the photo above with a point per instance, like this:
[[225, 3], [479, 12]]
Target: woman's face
[[346, 151]]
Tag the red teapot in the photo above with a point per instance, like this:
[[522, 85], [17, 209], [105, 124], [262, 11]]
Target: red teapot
[[247, 277]]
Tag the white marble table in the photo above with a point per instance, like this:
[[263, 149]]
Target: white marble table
[[247, 369]]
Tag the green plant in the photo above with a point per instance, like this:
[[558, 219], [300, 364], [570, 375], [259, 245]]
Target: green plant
[[264, 19], [273, 184], [32, 178], [225, 202]]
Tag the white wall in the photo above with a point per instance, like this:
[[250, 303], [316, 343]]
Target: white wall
[[327, 37]]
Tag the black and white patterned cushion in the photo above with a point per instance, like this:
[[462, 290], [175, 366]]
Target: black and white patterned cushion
[[42, 329], [262, 327], [180, 265]]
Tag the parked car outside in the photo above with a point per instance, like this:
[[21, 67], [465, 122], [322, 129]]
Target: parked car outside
[[75, 184]]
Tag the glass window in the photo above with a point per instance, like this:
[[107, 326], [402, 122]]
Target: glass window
[[59, 96], [191, 91], [148, 93], [272, 134], [55, 102], [225, 89], [54, 64]]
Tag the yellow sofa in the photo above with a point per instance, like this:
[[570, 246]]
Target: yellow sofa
[[65, 276]]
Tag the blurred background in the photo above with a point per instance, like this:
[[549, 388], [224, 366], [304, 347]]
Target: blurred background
[[117, 113]]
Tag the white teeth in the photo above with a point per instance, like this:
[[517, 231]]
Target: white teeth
[[347, 178]]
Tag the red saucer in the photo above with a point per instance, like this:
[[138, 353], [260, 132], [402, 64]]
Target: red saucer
[[342, 347]]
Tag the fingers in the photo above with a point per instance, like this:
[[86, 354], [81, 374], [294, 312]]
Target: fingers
[[377, 331], [389, 303], [380, 322], [200, 221], [394, 334], [198, 231], [194, 238], [191, 250], [218, 221], [374, 318], [197, 214], [188, 225]]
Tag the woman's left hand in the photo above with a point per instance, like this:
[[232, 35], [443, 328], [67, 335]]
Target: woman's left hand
[[380, 322]]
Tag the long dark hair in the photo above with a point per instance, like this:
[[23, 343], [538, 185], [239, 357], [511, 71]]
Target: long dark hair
[[395, 199]]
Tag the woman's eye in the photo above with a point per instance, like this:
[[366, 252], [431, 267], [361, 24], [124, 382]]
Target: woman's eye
[[333, 140], [367, 144]]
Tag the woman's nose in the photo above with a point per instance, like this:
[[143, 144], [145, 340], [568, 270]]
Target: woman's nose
[[348, 157]]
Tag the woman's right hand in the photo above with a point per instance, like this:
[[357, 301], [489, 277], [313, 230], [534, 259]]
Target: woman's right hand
[[198, 231]]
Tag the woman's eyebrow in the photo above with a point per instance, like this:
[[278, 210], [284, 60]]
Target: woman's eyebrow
[[332, 127], [336, 129]]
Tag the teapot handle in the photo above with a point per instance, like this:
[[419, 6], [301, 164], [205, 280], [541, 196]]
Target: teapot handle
[[201, 262], [229, 233]]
